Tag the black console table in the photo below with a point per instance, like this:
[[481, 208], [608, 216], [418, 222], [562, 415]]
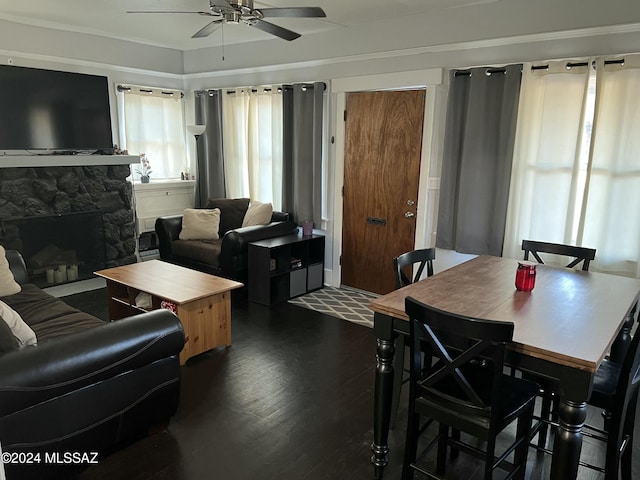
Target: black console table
[[281, 268]]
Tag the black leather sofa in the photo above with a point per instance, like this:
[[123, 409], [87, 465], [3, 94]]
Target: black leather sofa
[[87, 386], [227, 256]]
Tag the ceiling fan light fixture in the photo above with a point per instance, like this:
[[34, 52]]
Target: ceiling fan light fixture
[[232, 17], [245, 6]]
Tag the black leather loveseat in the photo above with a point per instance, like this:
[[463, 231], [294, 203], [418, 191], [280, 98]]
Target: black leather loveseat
[[86, 386], [227, 256]]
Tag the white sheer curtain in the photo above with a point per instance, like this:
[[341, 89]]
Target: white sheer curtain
[[612, 206], [547, 177], [151, 121], [576, 172], [252, 140]]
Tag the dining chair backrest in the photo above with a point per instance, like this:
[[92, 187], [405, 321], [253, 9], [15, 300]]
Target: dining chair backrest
[[579, 254], [629, 381], [403, 266], [403, 263], [615, 390], [448, 380]]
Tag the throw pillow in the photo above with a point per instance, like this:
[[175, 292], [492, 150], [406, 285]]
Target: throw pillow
[[257, 214], [200, 224], [20, 330], [8, 284], [8, 341], [232, 212]]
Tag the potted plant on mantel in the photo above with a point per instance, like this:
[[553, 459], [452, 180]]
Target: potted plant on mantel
[[146, 169]]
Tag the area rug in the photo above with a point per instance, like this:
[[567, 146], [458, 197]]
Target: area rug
[[338, 302]]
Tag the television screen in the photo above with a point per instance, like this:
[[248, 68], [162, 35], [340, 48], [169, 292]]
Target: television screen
[[52, 110]]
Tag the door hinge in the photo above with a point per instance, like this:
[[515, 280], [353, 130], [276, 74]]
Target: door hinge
[[340, 260], [345, 116], [343, 190]]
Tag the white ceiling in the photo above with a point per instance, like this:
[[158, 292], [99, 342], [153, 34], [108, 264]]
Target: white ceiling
[[109, 18], [430, 21]]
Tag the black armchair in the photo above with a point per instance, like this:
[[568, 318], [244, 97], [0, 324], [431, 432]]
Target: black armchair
[[227, 256]]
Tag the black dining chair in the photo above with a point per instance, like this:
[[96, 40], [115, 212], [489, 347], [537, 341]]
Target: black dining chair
[[463, 394], [408, 268], [549, 388], [578, 254], [421, 258], [615, 390]]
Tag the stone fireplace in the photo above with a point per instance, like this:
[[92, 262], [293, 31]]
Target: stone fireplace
[[46, 209]]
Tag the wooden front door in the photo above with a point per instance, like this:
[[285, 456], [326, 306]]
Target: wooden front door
[[383, 143]]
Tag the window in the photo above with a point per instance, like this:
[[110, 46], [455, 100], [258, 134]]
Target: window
[[576, 168], [151, 121], [252, 140], [272, 146], [583, 157]]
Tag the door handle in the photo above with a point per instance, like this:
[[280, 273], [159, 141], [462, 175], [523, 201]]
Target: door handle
[[409, 215]]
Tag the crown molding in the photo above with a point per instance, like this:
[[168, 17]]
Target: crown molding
[[443, 48]]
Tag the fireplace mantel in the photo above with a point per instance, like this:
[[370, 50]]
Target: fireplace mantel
[[13, 161]]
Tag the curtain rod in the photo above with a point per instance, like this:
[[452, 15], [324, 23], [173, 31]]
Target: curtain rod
[[229, 91], [619, 61], [488, 71], [126, 88], [285, 87], [253, 90], [306, 84]]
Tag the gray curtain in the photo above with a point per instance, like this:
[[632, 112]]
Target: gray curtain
[[302, 152], [477, 156], [210, 174]]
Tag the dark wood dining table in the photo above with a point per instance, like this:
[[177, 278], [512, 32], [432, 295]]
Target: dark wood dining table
[[563, 329]]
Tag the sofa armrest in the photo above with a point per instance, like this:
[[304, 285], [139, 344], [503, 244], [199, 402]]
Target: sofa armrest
[[167, 230], [235, 242], [34, 374], [17, 266], [279, 216]]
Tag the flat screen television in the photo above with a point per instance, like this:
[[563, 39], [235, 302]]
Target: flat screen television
[[62, 112]]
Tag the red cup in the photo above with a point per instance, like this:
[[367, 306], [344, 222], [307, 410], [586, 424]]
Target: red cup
[[526, 276]]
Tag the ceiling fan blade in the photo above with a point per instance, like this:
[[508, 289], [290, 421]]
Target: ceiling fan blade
[[300, 12], [167, 11], [208, 29], [276, 30]]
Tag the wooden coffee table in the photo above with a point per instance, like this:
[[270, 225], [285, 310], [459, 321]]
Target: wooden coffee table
[[202, 301]]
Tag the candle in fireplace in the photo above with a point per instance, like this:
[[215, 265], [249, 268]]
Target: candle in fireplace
[[72, 273]]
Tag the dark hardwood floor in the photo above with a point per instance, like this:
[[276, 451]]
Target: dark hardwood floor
[[292, 398]]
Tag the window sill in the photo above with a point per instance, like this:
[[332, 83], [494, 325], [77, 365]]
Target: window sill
[[163, 183]]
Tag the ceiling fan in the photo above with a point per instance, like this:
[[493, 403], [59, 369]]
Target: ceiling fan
[[242, 11]]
